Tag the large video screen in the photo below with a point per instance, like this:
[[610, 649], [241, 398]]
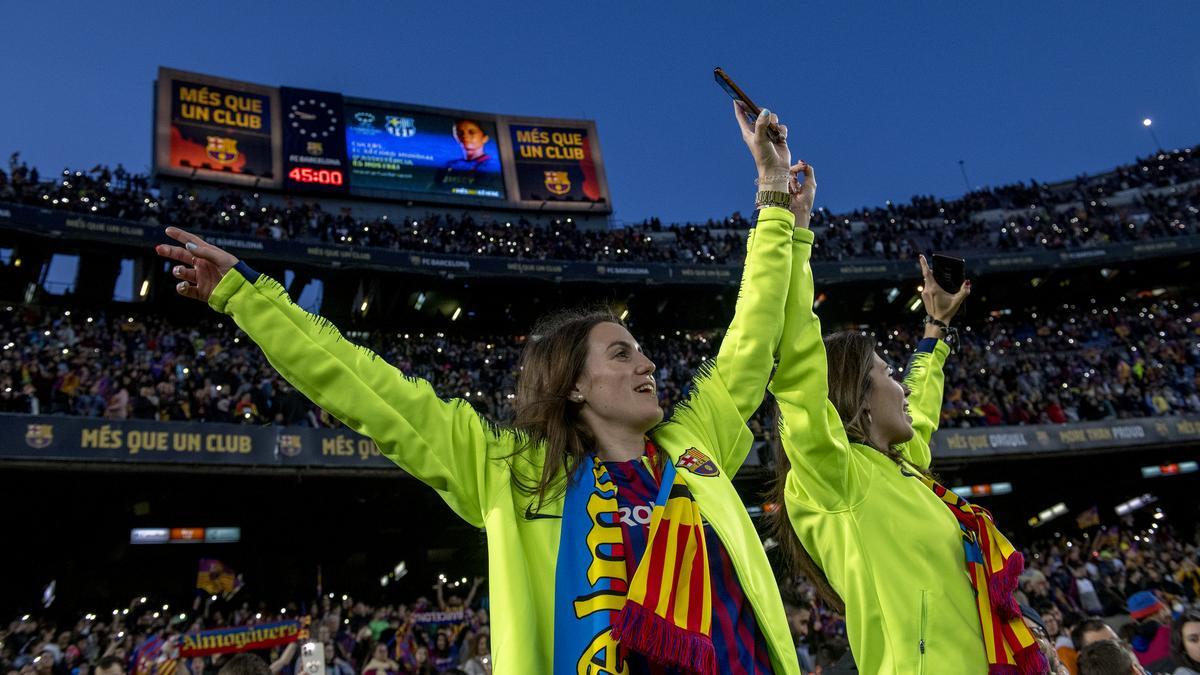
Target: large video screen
[[397, 150], [217, 129], [555, 164], [317, 142]]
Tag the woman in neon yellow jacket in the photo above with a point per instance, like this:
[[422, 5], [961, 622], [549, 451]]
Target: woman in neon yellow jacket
[[615, 539], [898, 554]]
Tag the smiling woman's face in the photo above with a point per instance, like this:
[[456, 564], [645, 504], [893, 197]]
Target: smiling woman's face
[[617, 386], [887, 400]]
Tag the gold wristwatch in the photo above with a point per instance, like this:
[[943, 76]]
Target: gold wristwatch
[[772, 198]]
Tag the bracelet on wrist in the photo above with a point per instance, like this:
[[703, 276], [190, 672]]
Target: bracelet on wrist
[[937, 322], [773, 178], [949, 335]]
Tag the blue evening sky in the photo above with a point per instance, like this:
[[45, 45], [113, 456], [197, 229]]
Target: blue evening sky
[[883, 98]]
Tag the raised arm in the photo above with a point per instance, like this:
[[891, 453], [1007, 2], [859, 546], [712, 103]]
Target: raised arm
[[289, 655], [810, 429], [925, 382], [474, 589], [444, 444], [728, 390], [924, 377], [731, 387], [743, 363]]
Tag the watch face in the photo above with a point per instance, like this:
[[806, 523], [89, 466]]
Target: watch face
[[312, 119]]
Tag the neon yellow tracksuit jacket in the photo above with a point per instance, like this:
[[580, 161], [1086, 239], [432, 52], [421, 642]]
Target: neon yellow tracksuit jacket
[[889, 546], [449, 447]]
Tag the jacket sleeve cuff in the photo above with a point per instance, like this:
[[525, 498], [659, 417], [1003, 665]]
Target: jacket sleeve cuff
[[803, 235], [246, 271], [926, 346], [777, 214], [233, 280]]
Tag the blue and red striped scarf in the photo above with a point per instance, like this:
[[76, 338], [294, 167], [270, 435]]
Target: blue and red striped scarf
[[664, 612], [994, 567]]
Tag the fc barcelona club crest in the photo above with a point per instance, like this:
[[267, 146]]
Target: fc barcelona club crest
[[558, 182], [401, 127], [223, 150], [38, 436], [315, 148], [289, 445], [698, 463]]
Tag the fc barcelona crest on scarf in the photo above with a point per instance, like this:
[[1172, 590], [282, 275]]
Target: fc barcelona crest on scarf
[[698, 463]]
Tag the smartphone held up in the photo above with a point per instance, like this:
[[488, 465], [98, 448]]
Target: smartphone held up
[[735, 92], [949, 272]]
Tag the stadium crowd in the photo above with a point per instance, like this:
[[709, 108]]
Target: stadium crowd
[[1071, 364], [1080, 213], [1137, 359], [442, 635], [1138, 587]]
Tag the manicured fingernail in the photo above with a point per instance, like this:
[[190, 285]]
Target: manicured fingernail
[[181, 285], [764, 112], [178, 270], [190, 246]]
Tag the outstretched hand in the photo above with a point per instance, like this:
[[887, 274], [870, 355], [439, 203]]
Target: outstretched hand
[[940, 303], [202, 264]]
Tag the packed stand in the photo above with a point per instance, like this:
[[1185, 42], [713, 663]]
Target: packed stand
[[1072, 364], [1136, 359], [1138, 589], [1075, 214], [118, 194], [1135, 589], [426, 636], [144, 367]]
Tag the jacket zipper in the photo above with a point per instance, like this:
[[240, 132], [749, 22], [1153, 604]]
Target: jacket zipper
[[924, 615]]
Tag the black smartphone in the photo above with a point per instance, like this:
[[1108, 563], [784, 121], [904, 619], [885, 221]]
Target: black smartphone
[[949, 272], [735, 92]]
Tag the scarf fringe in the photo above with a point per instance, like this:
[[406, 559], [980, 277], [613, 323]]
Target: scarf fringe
[[1031, 661], [661, 641], [1003, 583]]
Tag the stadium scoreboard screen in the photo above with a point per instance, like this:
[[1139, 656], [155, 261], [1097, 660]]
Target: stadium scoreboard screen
[[396, 149], [307, 141], [314, 143]]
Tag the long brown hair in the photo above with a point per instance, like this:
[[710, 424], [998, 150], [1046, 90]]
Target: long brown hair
[[1178, 649], [545, 417], [850, 358]]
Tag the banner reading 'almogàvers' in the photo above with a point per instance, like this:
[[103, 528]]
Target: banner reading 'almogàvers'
[[241, 639]]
